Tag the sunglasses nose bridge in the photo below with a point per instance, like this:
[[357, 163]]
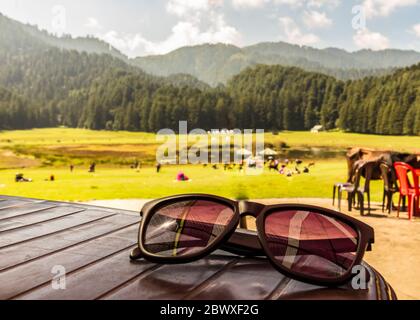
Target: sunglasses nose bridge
[[247, 208]]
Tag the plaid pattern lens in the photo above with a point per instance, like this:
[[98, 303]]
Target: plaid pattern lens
[[186, 227], [309, 243]]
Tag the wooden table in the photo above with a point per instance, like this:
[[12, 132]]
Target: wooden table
[[93, 246]]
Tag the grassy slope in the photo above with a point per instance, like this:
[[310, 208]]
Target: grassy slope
[[123, 183], [347, 140], [62, 136], [295, 139], [129, 184]]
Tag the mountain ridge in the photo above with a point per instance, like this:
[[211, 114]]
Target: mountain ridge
[[48, 86], [215, 64], [336, 62], [88, 44]]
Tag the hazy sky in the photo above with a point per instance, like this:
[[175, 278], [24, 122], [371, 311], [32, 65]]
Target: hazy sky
[[142, 27]]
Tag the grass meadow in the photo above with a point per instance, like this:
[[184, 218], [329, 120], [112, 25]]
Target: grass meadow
[[124, 183], [38, 154]]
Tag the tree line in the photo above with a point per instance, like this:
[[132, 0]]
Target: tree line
[[51, 87]]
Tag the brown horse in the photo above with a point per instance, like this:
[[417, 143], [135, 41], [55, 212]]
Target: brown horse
[[379, 156]]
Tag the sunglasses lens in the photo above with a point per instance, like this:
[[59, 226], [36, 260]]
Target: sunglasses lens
[[311, 244], [186, 228]]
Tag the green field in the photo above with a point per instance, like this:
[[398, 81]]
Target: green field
[[71, 137], [111, 183], [41, 153]]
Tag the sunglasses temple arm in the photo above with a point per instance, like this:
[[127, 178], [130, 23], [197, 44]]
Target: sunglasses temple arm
[[242, 251], [135, 254], [244, 243]]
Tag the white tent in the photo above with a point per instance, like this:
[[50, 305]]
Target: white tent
[[317, 129], [268, 152], [244, 152]]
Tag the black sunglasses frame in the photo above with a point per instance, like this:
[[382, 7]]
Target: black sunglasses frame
[[249, 243]]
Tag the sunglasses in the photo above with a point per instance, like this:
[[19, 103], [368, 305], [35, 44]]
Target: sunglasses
[[306, 243]]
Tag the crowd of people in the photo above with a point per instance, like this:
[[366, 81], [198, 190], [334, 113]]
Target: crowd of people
[[20, 177], [289, 167], [284, 167]]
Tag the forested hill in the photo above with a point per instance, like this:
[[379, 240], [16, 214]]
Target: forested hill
[[44, 81], [45, 86], [12, 105], [45, 76], [265, 97], [217, 63], [290, 99], [24, 37], [388, 105]]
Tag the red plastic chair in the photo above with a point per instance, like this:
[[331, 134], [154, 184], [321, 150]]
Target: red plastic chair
[[406, 189]]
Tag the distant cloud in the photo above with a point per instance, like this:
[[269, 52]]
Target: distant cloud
[[127, 43], [310, 3], [316, 19], [188, 31], [365, 39], [416, 30], [182, 8], [385, 7], [293, 33], [239, 4], [93, 23], [290, 3], [323, 3], [182, 34]]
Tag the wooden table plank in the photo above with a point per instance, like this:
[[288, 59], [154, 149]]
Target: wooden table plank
[[253, 277], [10, 203], [27, 208], [112, 272], [29, 276], [174, 281], [13, 237], [24, 252], [37, 217]]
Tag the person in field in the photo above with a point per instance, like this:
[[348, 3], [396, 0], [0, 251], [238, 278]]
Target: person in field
[[182, 177], [92, 168], [20, 178]]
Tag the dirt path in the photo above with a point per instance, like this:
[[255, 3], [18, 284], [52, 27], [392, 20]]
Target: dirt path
[[396, 253], [9, 160]]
